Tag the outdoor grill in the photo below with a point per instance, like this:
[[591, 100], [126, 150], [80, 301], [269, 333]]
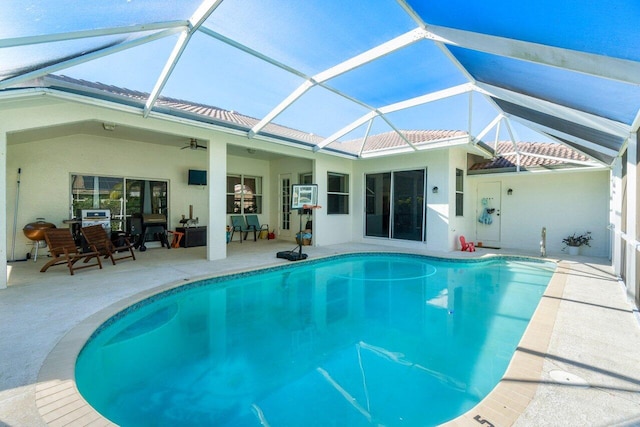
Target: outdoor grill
[[153, 223], [34, 231]]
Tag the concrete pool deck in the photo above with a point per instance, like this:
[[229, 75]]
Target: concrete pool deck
[[578, 363]]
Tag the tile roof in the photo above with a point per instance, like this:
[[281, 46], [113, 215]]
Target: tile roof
[[217, 115], [391, 139], [532, 155], [505, 159]]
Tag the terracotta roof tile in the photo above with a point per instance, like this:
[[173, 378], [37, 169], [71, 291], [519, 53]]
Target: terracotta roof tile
[[389, 140], [562, 155], [383, 141]]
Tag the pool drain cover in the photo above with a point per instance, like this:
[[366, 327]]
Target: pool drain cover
[[567, 378]]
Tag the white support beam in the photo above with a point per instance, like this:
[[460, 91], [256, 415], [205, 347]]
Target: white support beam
[[86, 57], [179, 47], [4, 268], [632, 211], [414, 102], [396, 130], [377, 52], [345, 130], [615, 216], [100, 32], [366, 136], [346, 66], [514, 143], [226, 40], [425, 99], [556, 110], [587, 63], [203, 12], [494, 122], [286, 103], [497, 138], [197, 19]]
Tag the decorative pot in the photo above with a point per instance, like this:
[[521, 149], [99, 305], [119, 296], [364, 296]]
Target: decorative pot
[[574, 250]]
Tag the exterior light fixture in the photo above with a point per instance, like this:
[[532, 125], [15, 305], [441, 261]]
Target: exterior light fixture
[[109, 126], [435, 190], [509, 192]]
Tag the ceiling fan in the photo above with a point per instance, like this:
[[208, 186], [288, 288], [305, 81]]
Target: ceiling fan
[[193, 145]]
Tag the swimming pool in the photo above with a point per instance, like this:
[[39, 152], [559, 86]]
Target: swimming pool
[[352, 340]]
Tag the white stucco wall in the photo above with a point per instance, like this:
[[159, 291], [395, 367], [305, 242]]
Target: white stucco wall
[[438, 210], [564, 203], [46, 167], [291, 167], [334, 228]]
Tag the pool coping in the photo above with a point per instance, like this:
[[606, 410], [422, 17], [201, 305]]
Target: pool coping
[[59, 402]]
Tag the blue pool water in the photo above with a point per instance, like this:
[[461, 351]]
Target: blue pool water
[[357, 340]]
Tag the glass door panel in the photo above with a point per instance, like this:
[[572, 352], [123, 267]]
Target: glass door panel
[[377, 204], [408, 205]]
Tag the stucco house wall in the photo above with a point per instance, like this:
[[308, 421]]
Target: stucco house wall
[[437, 210], [563, 202]]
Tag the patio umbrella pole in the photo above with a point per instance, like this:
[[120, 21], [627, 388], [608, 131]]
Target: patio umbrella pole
[[15, 219]]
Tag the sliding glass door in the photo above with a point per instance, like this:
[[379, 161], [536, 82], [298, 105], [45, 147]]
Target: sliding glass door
[[378, 202], [394, 203], [408, 205]]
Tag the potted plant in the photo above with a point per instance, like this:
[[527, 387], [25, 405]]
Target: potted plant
[[574, 242]]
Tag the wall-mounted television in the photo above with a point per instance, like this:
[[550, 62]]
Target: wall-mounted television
[[197, 177]]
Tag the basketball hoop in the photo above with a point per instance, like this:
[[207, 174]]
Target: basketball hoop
[[311, 207]]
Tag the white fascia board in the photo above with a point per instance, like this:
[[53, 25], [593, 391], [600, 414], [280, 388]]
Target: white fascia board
[[87, 57], [388, 152], [176, 53], [580, 117], [587, 63], [377, 52], [579, 141], [74, 35], [421, 146]]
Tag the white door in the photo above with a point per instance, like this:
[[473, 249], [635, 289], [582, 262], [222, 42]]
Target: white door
[[284, 215], [488, 214]]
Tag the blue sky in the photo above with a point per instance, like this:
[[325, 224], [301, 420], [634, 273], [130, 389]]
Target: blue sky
[[309, 36]]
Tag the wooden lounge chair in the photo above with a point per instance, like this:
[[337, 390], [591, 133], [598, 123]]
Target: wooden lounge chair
[[97, 237], [63, 249], [253, 224]]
